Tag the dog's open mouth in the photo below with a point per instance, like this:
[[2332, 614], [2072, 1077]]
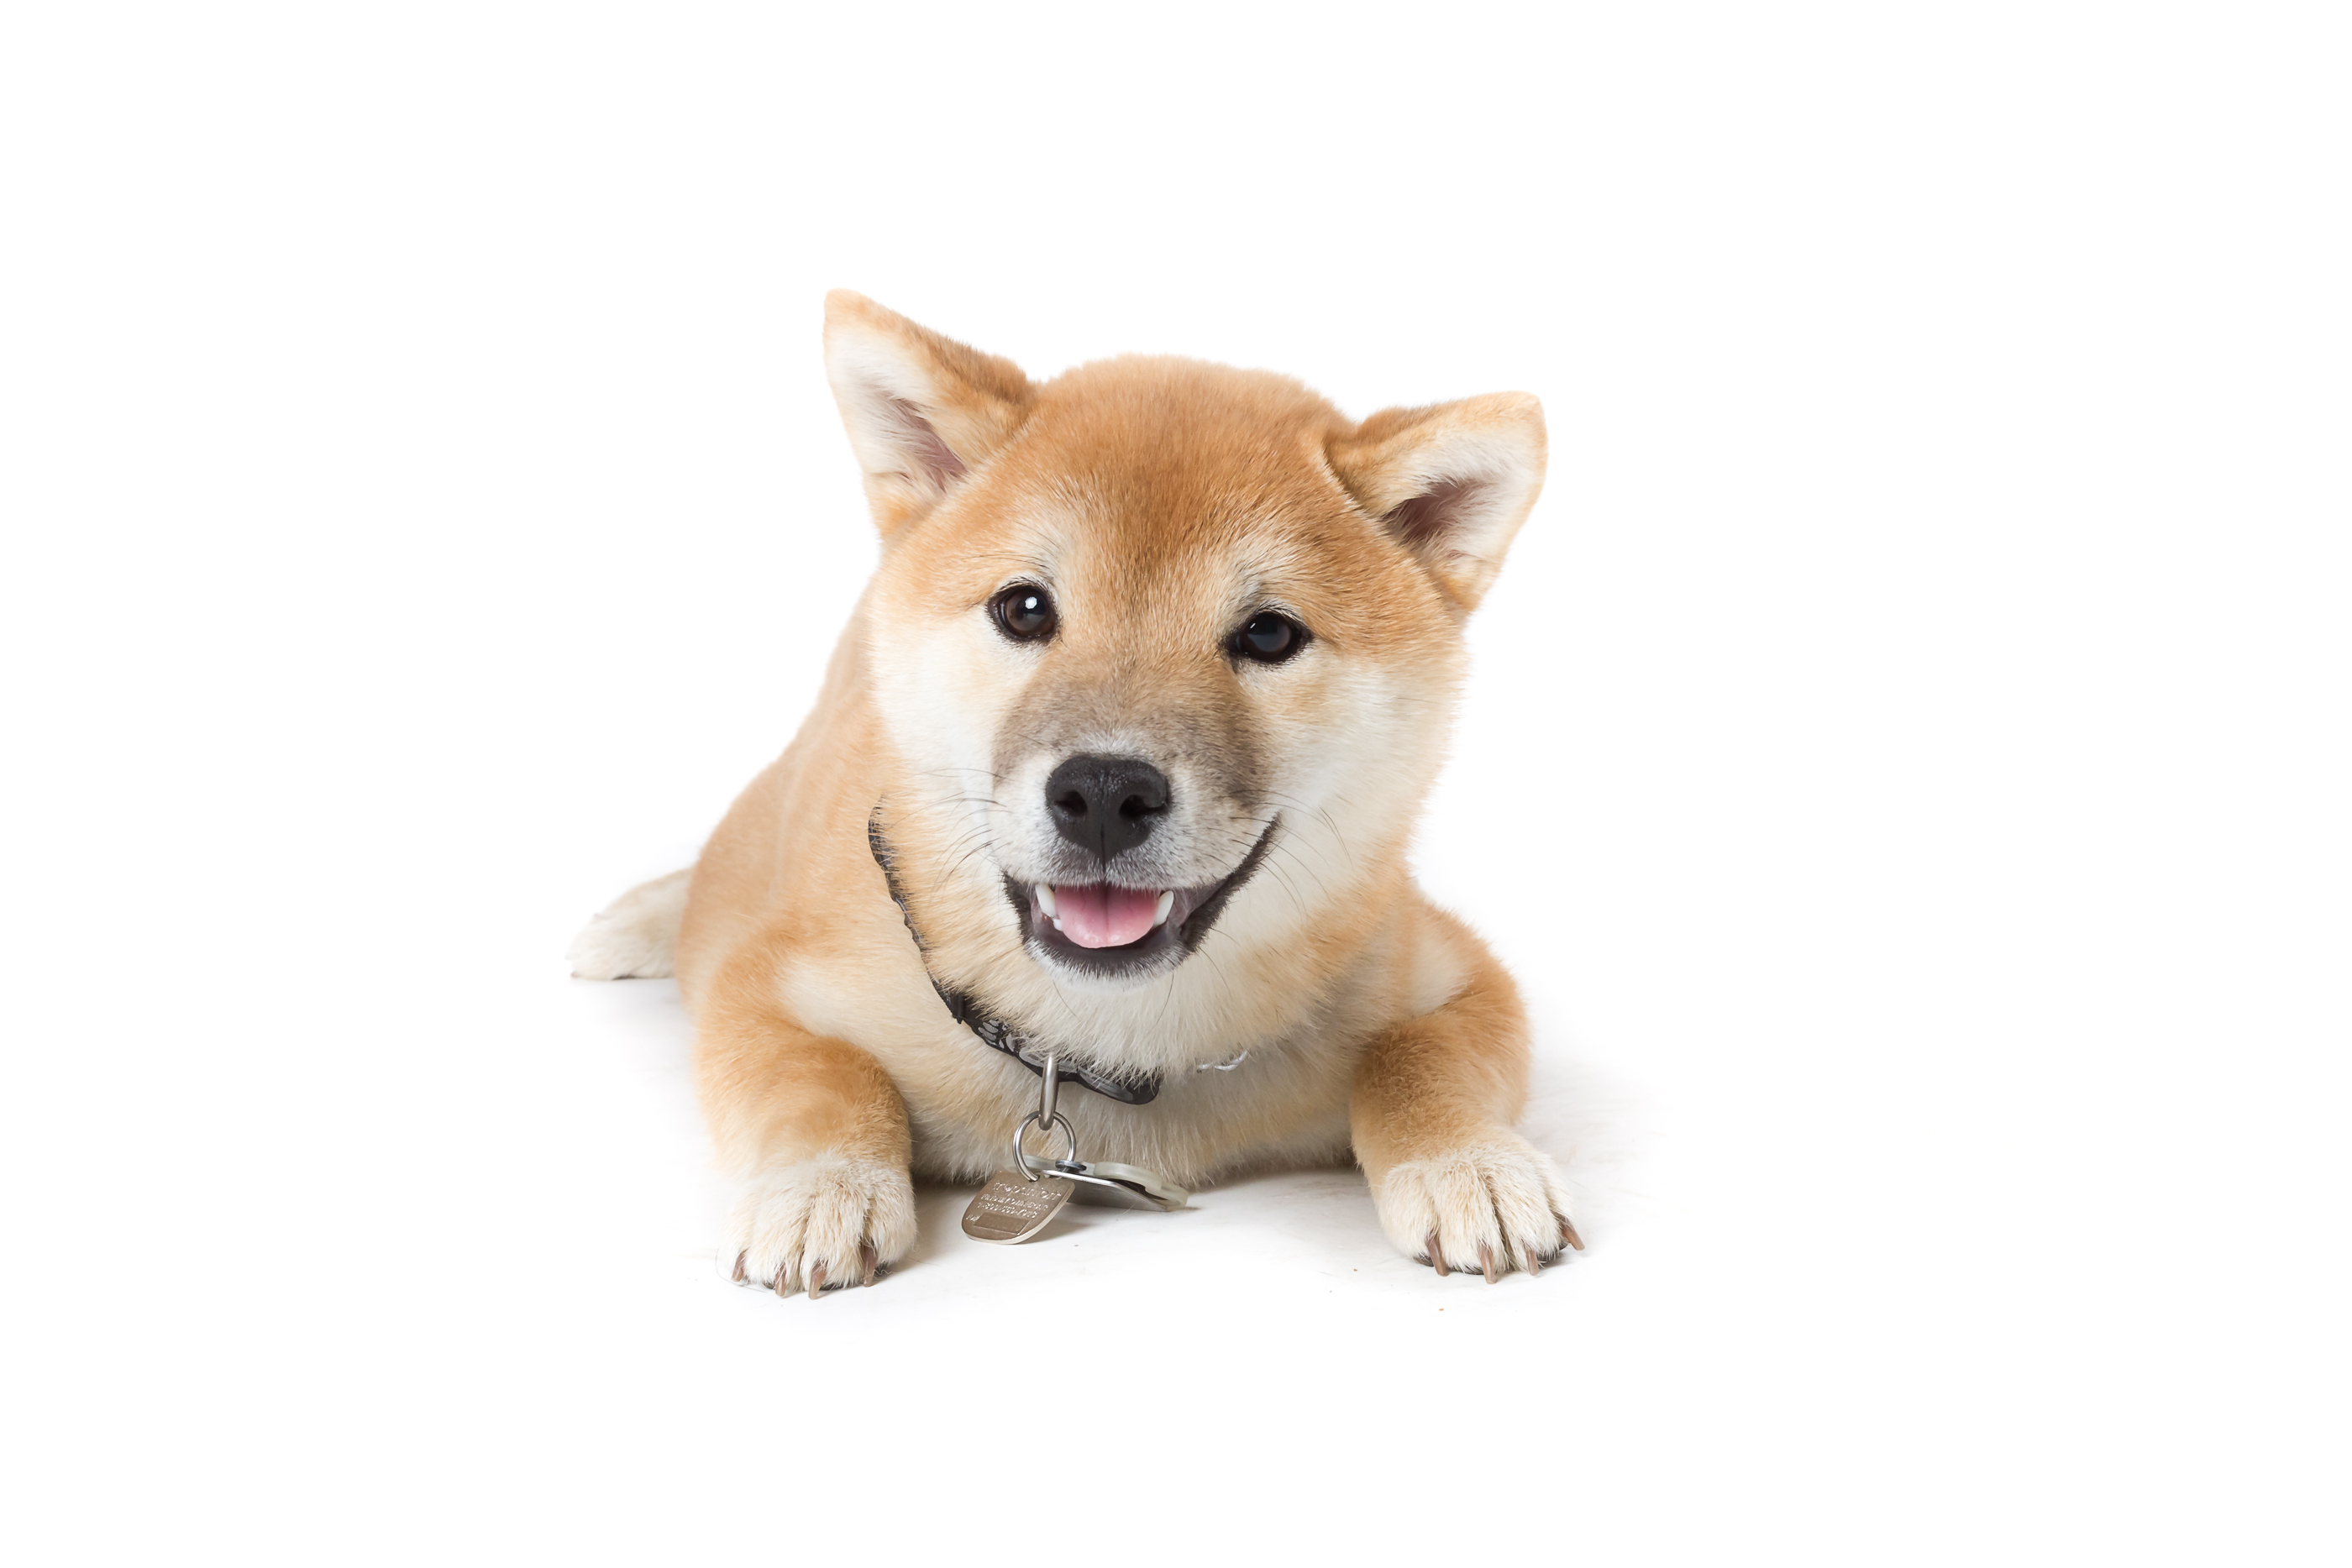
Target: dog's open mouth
[[1124, 931], [1105, 917]]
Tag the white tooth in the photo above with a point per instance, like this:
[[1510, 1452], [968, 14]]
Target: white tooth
[[1045, 903], [1160, 915], [1057, 926]]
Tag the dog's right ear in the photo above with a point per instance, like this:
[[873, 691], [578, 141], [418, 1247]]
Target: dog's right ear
[[923, 411]]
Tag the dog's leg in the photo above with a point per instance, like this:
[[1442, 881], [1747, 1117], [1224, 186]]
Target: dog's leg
[[815, 1132], [635, 937], [1431, 1116]]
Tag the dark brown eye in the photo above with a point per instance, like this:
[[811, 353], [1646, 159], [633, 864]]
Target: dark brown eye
[[1025, 612], [1269, 638]]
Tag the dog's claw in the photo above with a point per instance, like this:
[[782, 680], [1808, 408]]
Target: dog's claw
[[738, 1264], [866, 1261], [1486, 1262], [815, 1281], [783, 1280], [1568, 1233], [1535, 1265], [1436, 1257]]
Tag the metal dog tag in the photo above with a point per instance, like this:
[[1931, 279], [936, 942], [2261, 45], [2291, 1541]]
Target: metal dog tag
[[1011, 1208], [1109, 1184], [1015, 1205]]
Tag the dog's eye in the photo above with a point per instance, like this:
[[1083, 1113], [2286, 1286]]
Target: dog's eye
[[1026, 614], [1269, 638]]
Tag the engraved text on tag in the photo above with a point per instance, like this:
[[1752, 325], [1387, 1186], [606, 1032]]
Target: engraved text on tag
[[1011, 1208]]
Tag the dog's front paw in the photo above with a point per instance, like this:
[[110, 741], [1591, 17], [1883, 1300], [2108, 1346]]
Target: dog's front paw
[[824, 1224], [1493, 1205]]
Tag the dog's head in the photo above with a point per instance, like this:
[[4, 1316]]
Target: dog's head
[[1157, 629]]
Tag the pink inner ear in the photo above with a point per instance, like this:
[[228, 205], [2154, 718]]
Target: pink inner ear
[[921, 443], [1421, 519]]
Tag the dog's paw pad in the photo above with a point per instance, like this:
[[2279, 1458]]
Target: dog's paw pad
[[1487, 1208], [824, 1224]]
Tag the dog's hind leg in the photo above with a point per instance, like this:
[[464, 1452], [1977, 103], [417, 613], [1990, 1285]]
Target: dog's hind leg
[[637, 936]]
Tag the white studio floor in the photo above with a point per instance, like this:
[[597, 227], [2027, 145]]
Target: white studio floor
[[470, 1313]]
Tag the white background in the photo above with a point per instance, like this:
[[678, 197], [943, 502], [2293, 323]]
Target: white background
[[1906, 766]]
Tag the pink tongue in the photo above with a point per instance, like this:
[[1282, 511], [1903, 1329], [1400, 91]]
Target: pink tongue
[[1105, 916]]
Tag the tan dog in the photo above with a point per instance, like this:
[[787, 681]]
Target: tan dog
[[1139, 711]]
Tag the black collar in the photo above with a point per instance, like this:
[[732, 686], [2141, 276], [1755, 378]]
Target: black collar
[[989, 1029]]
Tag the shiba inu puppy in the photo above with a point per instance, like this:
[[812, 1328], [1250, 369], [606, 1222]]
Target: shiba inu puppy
[[1118, 759]]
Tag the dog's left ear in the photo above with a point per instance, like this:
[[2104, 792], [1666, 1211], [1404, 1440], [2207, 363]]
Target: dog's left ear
[[923, 411], [1452, 483]]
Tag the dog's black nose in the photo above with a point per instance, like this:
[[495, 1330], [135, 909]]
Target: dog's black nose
[[1106, 803]]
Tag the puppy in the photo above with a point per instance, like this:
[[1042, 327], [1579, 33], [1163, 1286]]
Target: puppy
[[1117, 761]]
